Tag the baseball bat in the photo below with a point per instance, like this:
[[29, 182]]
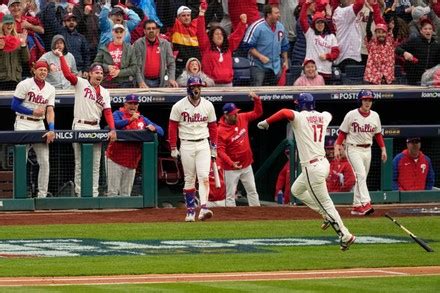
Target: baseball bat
[[216, 175], [414, 237]]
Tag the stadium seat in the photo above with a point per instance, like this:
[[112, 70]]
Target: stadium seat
[[242, 71], [354, 74], [293, 73]]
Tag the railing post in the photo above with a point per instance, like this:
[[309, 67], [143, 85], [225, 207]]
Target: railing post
[[386, 170], [149, 173], [20, 177], [86, 170]]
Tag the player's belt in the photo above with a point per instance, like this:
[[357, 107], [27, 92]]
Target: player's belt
[[362, 145], [29, 118], [194, 140], [87, 122], [315, 160]]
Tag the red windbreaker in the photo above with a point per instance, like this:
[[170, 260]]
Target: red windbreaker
[[341, 177]]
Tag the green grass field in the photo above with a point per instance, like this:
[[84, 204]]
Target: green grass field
[[272, 258]]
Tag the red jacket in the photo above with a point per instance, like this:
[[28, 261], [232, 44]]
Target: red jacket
[[238, 7], [216, 194], [283, 183], [216, 66], [233, 140], [341, 177]]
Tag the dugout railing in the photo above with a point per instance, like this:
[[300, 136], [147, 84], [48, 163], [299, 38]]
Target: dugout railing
[[22, 199]]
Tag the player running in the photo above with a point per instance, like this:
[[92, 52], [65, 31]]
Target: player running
[[91, 100], [193, 121], [357, 129], [309, 127]]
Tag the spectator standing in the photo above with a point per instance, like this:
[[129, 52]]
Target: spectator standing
[[381, 47], [412, 169], [118, 60], [184, 38], [357, 129], [420, 53], [194, 69], [155, 60], [348, 32], [267, 40], [217, 49], [55, 76], [91, 101], [193, 121], [33, 101], [300, 47], [287, 18], [322, 46], [123, 157], [418, 14], [14, 53], [86, 13], [235, 151], [310, 76], [309, 126], [341, 177], [109, 17]]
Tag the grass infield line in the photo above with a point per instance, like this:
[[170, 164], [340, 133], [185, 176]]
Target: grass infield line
[[225, 277]]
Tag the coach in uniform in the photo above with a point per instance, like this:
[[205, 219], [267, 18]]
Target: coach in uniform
[[309, 127], [193, 121], [33, 99], [123, 157], [91, 100], [357, 129]]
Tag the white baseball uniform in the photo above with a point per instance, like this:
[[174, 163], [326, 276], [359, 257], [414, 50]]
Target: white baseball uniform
[[318, 45], [348, 33], [34, 97], [87, 115], [360, 131], [309, 128], [194, 145]]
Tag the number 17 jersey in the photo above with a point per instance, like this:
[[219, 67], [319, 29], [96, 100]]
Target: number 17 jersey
[[310, 128]]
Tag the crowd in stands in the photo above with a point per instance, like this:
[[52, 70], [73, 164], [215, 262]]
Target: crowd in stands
[[162, 43]]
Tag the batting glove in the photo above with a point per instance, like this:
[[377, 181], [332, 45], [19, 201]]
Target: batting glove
[[175, 153], [213, 151], [263, 125]]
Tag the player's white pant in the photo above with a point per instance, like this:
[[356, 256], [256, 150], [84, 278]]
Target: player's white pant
[[119, 179], [311, 188], [360, 160], [246, 176], [96, 159], [196, 161], [41, 150]]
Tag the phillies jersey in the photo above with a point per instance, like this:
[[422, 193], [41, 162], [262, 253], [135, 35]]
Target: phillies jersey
[[34, 97], [193, 120], [360, 129], [88, 105], [309, 128], [348, 33], [318, 45]]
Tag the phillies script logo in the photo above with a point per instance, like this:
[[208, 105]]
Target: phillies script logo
[[365, 128], [88, 94], [37, 99], [196, 117]]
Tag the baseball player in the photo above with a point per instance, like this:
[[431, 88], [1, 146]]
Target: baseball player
[[309, 128], [235, 151], [193, 120], [123, 157], [33, 100], [357, 129], [91, 100]]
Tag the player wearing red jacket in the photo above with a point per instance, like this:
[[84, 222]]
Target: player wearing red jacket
[[235, 151], [341, 177], [217, 196]]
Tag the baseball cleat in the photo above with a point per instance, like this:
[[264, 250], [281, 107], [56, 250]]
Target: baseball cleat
[[205, 214], [368, 209], [190, 217], [345, 245], [358, 211], [325, 225]]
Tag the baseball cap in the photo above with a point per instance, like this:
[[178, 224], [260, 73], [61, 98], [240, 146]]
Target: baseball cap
[[230, 108], [69, 16], [381, 26], [117, 10], [132, 98], [8, 19], [183, 9], [318, 16], [413, 139], [12, 2], [118, 25], [307, 61]]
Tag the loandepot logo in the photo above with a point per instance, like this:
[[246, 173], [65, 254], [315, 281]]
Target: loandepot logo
[[95, 247]]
